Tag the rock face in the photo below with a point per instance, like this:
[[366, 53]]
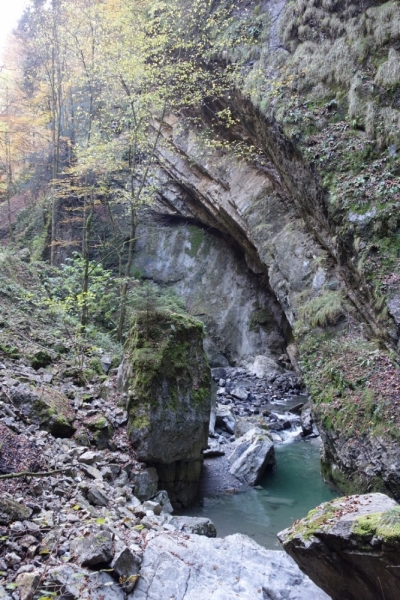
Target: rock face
[[168, 381], [242, 317], [350, 547], [252, 454], [233, 567]]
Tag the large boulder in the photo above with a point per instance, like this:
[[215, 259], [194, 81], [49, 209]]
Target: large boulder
[[46, 407], [252, 454], [350, 547], [232, 567], [168, 381]]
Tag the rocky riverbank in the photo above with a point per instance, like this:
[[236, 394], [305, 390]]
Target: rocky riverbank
[[97, 525]]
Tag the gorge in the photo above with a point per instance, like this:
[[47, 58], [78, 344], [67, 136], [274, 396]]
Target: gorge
[[218, 189]]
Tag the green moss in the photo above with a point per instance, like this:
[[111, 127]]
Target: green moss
[[321, 311], [260, 317], [41, 359], [383, 525], [167, 361], [97, 422]]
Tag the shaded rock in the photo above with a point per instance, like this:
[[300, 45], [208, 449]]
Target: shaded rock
[[126, 565], [94, 549], [181, 480], [251, 455], [350, 547], [233, 567], [146, 483], [12, 511], [163, 499], [78, 584], [218, 373], [225, 419]]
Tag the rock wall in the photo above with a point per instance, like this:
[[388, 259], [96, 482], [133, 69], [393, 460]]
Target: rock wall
[[274, 209], [242, 317]]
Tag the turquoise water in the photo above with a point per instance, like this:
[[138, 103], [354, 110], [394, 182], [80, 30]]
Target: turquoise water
[[287, 494]]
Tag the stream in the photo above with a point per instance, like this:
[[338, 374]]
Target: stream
[[288, 493]]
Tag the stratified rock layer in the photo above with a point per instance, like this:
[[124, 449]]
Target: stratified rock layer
[[350, 547], [223, 569], [168, 380]]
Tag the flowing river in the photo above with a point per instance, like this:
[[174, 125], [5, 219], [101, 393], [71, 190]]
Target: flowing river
[[287, 494]]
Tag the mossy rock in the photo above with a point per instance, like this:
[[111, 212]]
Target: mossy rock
[[168, 381], [101, 430], [41, 359], [46, 407]]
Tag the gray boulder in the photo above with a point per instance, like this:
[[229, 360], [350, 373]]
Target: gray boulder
[[306, 420], [97, 496], [78, 584], [126, 565], [251, 455], [225, 419], [264, 366], [146, 483], [224, 569], [94, 549], [240, 393], [196, 525], [12, 511], [350, 547]]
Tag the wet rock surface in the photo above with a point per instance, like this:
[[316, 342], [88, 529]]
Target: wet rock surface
[[270, 406]]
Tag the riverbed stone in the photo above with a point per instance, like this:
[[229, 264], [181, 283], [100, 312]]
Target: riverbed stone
[[251, 455], [350, 547], [225, 419], [195, 525], [223, 569]]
